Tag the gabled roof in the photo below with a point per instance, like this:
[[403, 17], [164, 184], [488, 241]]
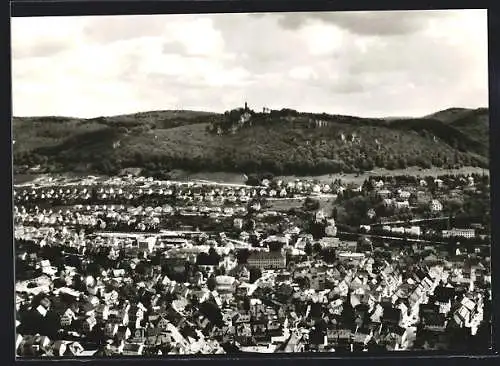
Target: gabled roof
[[444, 294]]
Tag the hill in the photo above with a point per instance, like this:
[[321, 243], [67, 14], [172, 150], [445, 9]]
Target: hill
[[281, 142], [471, 122], [450, 114]]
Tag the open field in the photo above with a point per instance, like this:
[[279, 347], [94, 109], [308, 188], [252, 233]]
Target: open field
[[238, 178], [413, 171], [350, 177]]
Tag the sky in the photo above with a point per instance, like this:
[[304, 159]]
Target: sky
[[370, 64]]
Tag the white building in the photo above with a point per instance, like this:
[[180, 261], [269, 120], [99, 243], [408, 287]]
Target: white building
[[463, 233], [402, 204], [436, 206]]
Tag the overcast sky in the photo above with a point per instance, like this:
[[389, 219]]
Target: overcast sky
[[359, 63]]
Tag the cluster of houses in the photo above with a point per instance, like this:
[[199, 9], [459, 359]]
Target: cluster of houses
[[356, 303], [88, 286], [410, 198], [140, 189]]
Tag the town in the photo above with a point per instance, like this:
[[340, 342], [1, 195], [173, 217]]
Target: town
[[131, 265]]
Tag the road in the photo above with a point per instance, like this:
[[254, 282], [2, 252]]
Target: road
[[394, 238], [409, 240], [411, 221]]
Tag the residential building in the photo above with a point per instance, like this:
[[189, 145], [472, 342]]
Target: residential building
[[267, 260], [464, 233]]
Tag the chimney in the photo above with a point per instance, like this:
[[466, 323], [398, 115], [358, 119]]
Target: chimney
[[246, 106]]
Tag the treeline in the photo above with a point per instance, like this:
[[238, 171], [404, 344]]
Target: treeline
[[159, 166]]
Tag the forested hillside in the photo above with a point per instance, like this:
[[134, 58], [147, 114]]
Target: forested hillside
[[281, 142]]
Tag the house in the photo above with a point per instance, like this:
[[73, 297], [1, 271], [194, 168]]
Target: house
[[67, 318], [256, 308], [413, 230], [123, 333], [320, 216], [443, 297], [162, 324], [59, 348], [398, 230], [225, 284], [384, 193], [399, 337], [344, 334], [243, 332], [34, 345], [111, 297], [89, 324], [435, 206], [238, 223], [401, 204], [132, 349], [242, 317], [111, 329], [136, 313], [462, 316], [74, 349], [431, 318], [102, 312], [139, 335], [362, 336], [404, 195], [147, 244], [387, 202], [391, 315], [436, 322], [243, 274], [19, 343]]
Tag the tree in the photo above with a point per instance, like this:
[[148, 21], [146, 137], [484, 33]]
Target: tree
[[317, 229], [253, 180], [311, 204], [211, 284], [454, 206], [328, 255], [308, 249], [335, 213], [255, 274], [213, 256], [367, 185], [303, 282], [242, 256], [275, 246]]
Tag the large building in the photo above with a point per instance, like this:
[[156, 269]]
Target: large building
[[350, 256], [225, 284], [463, 233], [267, 260]]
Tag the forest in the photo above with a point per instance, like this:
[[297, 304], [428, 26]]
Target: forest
[[280, 142]]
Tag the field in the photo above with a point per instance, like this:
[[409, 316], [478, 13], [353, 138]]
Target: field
[[237, 178], [413, 171]]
